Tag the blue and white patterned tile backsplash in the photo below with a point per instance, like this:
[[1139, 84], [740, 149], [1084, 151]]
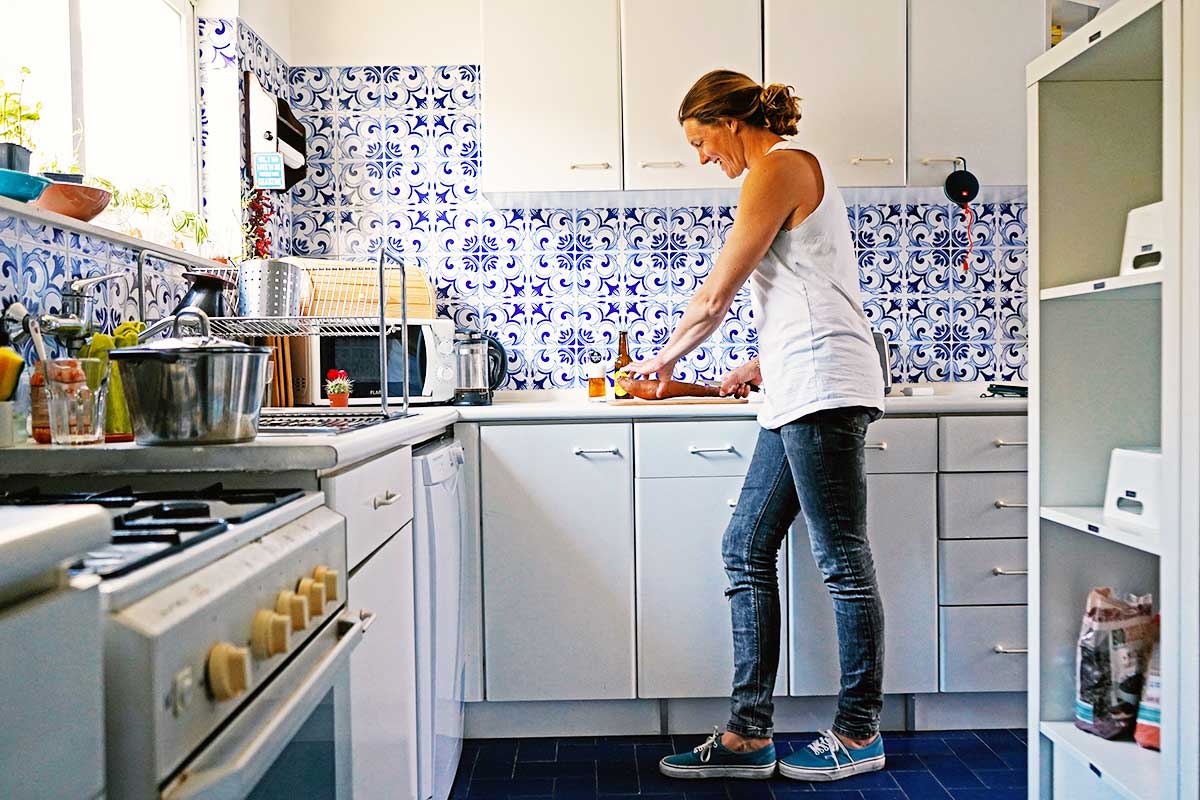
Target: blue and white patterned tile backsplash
[[395, 156]]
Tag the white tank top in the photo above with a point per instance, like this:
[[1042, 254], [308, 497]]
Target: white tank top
[[815, 345]]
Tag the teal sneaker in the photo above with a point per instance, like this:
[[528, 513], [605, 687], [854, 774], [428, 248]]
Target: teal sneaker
[[830, 759], [714, 760]]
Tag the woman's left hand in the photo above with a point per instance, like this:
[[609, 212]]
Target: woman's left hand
[[655, 366]]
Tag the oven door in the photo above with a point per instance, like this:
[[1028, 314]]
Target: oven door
[[293, 740], [359, 357]]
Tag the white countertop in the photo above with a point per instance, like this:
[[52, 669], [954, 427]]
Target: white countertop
[[36, 540], [323, 453], [950, 398]]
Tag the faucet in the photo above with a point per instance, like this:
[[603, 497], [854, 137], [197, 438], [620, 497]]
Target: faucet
[[71, 326]]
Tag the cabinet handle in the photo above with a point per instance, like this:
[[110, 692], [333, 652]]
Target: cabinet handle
[[698, 451], [1010, 651], [660, 164], [606, 451], [873, 446], [388, 499], [1002, 443], [1003, 571], [872, 160], [1003, 504], [592, 165], [927, 160]]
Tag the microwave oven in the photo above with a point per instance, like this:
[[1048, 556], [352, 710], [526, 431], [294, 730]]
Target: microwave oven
[[431, 377]]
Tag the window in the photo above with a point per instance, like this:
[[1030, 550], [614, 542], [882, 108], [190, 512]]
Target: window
[[129, 114]]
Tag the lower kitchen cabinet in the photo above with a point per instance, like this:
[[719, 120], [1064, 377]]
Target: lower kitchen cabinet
[[685, 644], [558, 550], [902, 526], [383, 678]]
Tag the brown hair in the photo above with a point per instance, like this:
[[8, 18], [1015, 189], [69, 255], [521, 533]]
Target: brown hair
[[725, 94]]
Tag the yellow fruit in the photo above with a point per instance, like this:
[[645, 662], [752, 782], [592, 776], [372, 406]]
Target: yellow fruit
[[11, 365]]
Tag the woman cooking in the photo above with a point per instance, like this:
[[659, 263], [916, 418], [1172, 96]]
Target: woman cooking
[[822, 384]]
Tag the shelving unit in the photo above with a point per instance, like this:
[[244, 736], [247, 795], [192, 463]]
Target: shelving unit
[[1110, 359]]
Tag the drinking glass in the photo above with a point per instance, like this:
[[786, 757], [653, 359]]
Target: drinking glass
[[78, 390]]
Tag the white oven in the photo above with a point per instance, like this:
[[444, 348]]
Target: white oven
[[430, 363]]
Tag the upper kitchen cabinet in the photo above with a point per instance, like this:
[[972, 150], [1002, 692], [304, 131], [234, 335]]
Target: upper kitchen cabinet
[[551, 95], [847, 64], [665, 46], [966, 86]]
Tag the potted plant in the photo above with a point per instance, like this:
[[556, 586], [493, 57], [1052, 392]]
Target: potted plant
[[16, 118], [337, 387]]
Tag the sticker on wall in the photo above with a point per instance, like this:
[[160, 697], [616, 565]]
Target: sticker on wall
[[268, 171]]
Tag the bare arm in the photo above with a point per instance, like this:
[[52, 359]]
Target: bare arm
[[768, 197]]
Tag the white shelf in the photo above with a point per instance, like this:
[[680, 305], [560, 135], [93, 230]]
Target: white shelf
[[1090, 519], [1139, 286], [1130, 770], [1087, 54]]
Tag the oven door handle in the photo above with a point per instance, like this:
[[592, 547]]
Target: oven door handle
[[234, 773]]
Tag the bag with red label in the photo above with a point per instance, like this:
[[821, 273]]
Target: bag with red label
[[1150, 709], [1114, 646]]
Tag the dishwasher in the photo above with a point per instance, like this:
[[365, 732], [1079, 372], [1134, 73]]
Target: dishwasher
[[439, 513]]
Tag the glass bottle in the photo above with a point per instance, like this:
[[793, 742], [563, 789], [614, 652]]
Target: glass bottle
[[623, 360]]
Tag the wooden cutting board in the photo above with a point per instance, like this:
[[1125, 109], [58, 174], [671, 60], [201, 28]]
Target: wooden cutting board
[[679, 401]]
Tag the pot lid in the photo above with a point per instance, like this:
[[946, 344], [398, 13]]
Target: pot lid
[[177, 343]]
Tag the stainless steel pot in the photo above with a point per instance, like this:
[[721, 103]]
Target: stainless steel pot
[[193, 389]]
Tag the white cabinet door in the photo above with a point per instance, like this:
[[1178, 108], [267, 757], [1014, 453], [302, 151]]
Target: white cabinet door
[[665, 46], [685, 643], [551, 95], [966, 86], [846, 61], [558, 561], [902, 526], [383, 678]]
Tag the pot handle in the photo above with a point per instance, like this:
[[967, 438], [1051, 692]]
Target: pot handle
[[196, 313]]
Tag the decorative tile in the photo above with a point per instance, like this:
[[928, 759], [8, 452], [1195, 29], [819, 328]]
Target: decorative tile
[[878, 226], [455, 88], [1012, 269], [318, 187], [359, 88], [406, 88], [692, 228], [926, 225], [927, 271], [359, 137], [688, 271], [880, 271], [362, 183], [312, 88], [973, 318], [406, 136], [974, 361], [455, 182], [981, 273], [645, 274], [927, 319]]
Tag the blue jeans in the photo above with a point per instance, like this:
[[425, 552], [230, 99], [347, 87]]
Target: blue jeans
[[815, 465]]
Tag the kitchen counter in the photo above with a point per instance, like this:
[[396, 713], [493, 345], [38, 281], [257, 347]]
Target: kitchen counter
[[572, 404], [267, 453]]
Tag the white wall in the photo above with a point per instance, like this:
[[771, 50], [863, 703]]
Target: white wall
[[272, 20], [361, 32]]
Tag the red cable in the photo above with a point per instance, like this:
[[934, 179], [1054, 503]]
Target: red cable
[[970, 240]]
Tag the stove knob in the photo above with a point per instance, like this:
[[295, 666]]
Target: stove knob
[[269, 633], [228, 670], [445, 347], [315, 592], [294, 606], [445, 373], [329, 577]]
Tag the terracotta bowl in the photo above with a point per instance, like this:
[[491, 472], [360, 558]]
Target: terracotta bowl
[[72, 200]]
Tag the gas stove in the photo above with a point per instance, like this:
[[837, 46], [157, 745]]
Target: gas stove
[[321, 420]]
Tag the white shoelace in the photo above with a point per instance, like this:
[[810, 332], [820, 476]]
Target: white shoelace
[[705, 750], [828, 742]]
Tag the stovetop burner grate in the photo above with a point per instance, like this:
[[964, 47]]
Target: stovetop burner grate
[[320, 420]]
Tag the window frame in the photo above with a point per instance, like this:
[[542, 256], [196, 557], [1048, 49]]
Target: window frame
[[187, 11]]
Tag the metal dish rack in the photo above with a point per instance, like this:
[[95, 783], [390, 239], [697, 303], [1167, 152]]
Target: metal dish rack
[[362, 312]]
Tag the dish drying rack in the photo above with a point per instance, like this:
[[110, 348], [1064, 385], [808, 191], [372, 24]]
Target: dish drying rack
[[359, 295]]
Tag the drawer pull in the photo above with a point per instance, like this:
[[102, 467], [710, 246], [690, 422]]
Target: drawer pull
[[872, 160], [699, 451], [1010, 651], [1003, 571], [1003, 504], [879, 446], [1002, 443], [388, 499], [602, 451], [592, 165], [660, 164]]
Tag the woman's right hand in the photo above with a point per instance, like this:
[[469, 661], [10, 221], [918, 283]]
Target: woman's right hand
[[738, 382]]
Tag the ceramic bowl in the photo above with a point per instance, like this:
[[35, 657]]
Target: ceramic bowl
[[73, 200], [21, 186]]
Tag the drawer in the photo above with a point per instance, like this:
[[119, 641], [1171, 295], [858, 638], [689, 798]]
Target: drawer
[[709, 448], [969, 660], [982, 505], [375, 498], [902, 445], [978, 572], [983, 444]]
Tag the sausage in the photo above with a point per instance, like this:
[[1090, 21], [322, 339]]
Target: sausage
[[648, 389]]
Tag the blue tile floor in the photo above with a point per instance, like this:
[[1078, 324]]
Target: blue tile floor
[[930, 765]]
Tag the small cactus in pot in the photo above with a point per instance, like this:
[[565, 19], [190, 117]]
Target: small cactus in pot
[[337, 387]]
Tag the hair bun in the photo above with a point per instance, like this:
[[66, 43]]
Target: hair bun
[[780, 109]]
